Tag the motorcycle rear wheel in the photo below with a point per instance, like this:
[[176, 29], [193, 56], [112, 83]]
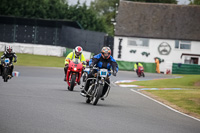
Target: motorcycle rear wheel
[[84, 77]]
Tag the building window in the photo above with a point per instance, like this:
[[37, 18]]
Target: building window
[[138, 42], [191, 60], [182, 44], [187, 60]]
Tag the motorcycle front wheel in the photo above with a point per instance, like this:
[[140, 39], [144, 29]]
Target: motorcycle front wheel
[[90, 92], [72, 83], [143, 74], [97, 94], [5, 75]]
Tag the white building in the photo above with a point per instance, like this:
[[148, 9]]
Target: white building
[[170, 32]]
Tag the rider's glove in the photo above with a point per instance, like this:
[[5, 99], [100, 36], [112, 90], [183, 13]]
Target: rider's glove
[[114, 73], [15, 60]]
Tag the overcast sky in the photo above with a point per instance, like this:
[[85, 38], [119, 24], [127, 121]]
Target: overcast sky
[[73, 2]]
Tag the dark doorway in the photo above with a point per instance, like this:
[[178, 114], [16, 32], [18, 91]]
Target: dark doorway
[[194, 60]]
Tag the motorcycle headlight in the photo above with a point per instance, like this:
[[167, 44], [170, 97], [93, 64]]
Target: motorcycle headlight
[[75, 69]]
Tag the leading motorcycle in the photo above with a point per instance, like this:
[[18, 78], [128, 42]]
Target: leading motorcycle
[[6, 69], [97, 83]]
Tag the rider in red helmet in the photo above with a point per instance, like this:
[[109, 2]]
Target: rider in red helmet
[[77, 53]]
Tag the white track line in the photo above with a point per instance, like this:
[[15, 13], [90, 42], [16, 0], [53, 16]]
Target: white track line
[[164, 105]]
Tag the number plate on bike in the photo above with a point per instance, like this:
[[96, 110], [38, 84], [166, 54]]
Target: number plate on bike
[[103, 72], [7, 60]]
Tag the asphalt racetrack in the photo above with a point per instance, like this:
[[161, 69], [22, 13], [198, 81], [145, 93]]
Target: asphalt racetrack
[[38, 102]]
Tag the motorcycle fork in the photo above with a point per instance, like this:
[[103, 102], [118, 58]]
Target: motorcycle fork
[[70, 76]]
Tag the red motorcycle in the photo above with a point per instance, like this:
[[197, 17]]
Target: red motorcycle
[[140, 71], [74, 73]]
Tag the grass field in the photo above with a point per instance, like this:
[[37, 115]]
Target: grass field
[[186, 82], [39, 60], [187, 100]]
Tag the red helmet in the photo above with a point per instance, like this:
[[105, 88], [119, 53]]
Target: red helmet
[[87, 62], [78, 51], [105, 52]]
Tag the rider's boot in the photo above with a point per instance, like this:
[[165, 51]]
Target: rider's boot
[[65, 78], [0, 70], [83, 93], [65, 72], [102, 98], [82, 87], [79, 82]]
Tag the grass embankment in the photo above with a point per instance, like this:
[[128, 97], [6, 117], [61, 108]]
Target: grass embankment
[[186, 82], [186, 100], [39, 60]]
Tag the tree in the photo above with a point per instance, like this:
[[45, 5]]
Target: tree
[[156, 1], [107, 10], [54, 9], [87, 17], [194, 2]]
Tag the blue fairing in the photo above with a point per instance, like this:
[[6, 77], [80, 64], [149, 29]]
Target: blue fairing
[[90, 62]]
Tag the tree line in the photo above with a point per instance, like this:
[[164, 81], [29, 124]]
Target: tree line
[[96, 17]]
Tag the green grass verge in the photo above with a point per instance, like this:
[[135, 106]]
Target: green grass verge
[[187, 99], [39, 60], [186, 82]]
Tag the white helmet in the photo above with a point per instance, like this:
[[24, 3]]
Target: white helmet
[[9, 49], [78, 51]]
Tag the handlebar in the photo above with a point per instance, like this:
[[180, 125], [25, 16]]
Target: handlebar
[[96, 68]]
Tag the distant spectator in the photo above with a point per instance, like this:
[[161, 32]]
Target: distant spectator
[[157, 65]]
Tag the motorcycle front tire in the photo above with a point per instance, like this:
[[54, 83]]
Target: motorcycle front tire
[[143, 75], [72, 83], [90, 91], [5, 75], [97, 94]]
